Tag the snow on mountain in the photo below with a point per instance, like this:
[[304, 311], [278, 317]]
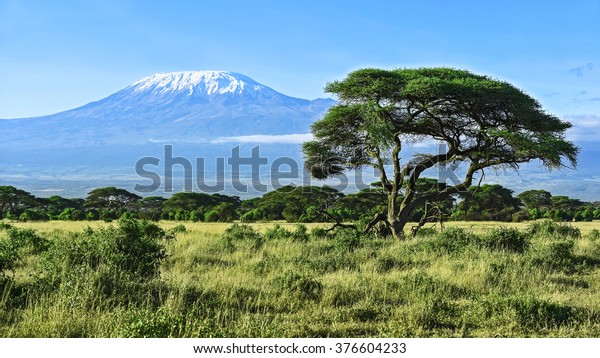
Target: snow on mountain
[[200, 82], [202, 114], [175, 107]]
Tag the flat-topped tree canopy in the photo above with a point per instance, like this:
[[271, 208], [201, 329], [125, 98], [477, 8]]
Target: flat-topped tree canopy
[[483, 122]]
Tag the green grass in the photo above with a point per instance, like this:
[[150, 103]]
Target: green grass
[[469, 282]]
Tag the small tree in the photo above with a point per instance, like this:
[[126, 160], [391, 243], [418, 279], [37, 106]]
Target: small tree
[[536, 199], [489, 202], [110, 198], [14, 201], [484, 123]]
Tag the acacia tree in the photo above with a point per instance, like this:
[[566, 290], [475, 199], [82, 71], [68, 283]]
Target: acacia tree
[[110, 198], [484, 123], [14, 201], [536, 199]]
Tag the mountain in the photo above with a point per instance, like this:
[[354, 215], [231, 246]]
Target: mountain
[[201, 114], [204, 115], [184, 107]]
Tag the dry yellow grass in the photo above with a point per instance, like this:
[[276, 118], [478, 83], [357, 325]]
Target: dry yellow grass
[[218, 228], [282, 287]]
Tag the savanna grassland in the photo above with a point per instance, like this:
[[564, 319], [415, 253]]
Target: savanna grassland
[[139, 279]]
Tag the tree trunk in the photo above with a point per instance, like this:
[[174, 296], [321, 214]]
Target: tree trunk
[[397, 227], [399, 222]]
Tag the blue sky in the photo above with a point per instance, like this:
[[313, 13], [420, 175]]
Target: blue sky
[[57, 55]]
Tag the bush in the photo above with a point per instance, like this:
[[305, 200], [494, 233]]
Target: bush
[[452, 240], [223, 212], [347, 239], [427, 231], [71, 214], [520, 216], [108, 256], [92, 215], [16, 243], [8, 256], [4, 226], [159, 324], [29, 239], [508, 239], [127, 215], [277, 233], [32, 215], [300, 233], [240, 233], [549, 227], [138, 246], [318, 233], [553, 253], [594, 235], [177, 229], [254, 215]]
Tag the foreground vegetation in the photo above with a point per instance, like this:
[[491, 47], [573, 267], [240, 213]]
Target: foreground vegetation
[[136, 279]]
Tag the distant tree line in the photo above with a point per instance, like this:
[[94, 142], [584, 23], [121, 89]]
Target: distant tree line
[[294, 204]]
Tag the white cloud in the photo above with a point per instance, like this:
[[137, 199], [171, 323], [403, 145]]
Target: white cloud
[[586, 127], [265, 138]]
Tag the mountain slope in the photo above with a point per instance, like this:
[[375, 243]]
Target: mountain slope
[[185, 107]]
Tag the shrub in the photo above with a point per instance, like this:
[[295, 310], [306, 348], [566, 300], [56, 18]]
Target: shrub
[[452, 240], [549, 227], [240, 233], [177, 229], [160, 324], [71, 214], [277, 233], [108, 256], [254, 215], [553, 253], [300, 233], [223, 212], [29, 239], [426, 231], [138, 247], [4, 226], [520, 216], [16, 241], [508, 239], [127, 215], [594, 235], [32, 215], [107, 216], [318, 233], [8, 256], [347, 239], [92, 215]]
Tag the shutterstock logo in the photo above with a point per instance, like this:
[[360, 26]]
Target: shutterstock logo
[[248, 172]]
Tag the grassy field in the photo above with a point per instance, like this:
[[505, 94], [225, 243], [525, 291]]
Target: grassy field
[[219, 228], [472, 280]]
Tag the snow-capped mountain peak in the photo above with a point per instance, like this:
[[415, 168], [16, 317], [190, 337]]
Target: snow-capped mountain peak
[[199, 83]]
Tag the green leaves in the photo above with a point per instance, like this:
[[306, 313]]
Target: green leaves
[[484, 122], [474, 113]]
